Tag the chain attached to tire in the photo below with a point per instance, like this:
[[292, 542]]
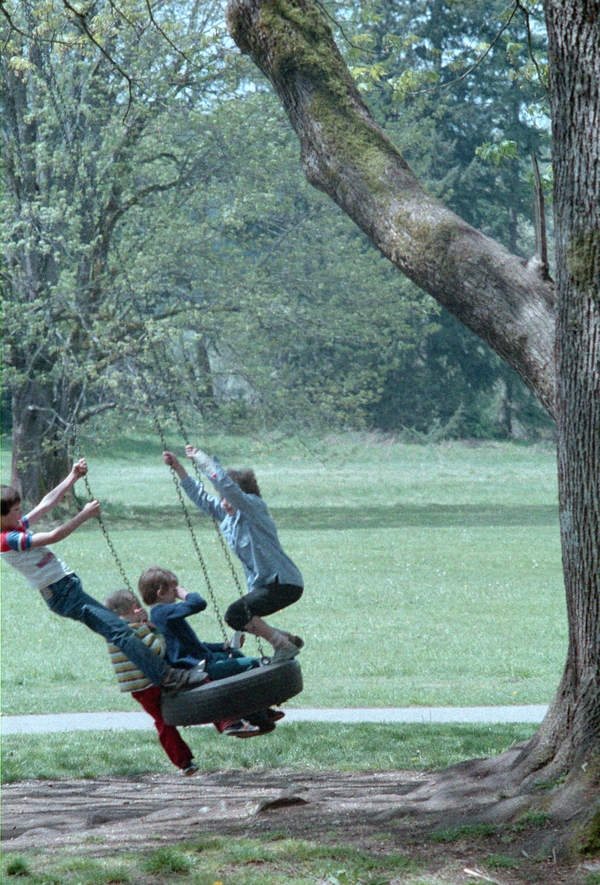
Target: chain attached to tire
[[225, 550]]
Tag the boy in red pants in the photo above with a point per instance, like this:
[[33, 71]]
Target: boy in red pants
[[126, 605]]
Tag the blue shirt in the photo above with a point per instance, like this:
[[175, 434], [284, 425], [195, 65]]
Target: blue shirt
[[251, 532], [183, 648]]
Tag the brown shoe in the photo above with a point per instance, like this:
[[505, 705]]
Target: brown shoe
[[295, 639]]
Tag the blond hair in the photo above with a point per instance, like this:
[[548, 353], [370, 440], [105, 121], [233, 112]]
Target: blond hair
[[121, 602]]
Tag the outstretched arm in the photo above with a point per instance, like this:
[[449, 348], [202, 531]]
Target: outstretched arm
[[208, 504], [42, 539], [204, 461], [175, 464], [50, 500]]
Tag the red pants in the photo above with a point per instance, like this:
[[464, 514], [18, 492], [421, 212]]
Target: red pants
[[173, 744]]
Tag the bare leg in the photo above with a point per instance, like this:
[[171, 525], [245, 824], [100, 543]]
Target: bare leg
[[285, 648], [257, 627]]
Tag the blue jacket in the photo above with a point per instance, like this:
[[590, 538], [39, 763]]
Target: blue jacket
[[251, 533], [183, 648]]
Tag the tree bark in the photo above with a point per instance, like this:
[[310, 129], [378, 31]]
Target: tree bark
[[507, 302], [39, 454], [572, 728]]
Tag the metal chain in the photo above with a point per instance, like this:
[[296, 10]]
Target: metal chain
[[182, 429], [111, 546], [215, 522], [186, 514], [103, 528], [224, 548]]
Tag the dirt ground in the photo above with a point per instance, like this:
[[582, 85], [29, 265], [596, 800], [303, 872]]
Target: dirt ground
[[376, 811]]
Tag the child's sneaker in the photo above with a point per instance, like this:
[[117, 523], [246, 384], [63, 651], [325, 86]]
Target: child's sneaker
[[266, 727], [263, 728], [242, 728], [285, 654], [189, 770], [295, 639], [182, 680]]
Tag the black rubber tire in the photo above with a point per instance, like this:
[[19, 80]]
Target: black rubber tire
[[235, 696]]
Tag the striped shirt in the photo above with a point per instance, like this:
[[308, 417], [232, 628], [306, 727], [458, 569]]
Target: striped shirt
[[128, 675]]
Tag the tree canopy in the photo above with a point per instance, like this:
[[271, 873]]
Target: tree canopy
[[151, 189]]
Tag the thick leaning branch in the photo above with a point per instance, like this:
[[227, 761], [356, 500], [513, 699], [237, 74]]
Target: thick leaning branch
[[503, 300]]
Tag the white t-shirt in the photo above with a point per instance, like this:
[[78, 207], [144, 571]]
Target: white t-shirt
[[38, 565]]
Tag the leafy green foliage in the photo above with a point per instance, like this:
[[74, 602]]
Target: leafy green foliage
[[460, 88], [92, 107], [162, 245]]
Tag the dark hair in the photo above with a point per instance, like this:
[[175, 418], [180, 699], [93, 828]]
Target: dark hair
[[152, 580], [121, 601], [10, 497], [246, 480]]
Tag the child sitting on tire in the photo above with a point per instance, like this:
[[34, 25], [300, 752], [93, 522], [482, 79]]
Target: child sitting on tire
[[127, 606], [171, 605]]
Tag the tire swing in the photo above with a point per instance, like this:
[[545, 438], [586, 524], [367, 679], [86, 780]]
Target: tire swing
[[236, 696]]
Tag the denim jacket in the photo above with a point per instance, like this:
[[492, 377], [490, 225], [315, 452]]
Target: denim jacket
[[250, 533]]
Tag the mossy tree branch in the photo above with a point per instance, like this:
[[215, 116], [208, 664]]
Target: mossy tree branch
[[504, 300]]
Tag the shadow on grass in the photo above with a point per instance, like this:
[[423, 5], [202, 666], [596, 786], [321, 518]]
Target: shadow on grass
[[416, 516], [336, 518]]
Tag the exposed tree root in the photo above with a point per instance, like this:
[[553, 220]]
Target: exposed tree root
[[509, 790]]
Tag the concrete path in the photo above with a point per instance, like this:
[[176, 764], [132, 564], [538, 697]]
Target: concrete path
[[56, 722]]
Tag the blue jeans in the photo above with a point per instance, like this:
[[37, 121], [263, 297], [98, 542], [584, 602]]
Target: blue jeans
[[69, 600], [222, 664]]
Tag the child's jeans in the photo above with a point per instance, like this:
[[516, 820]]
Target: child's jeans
[[68, 599], [173, 744], [230, 663]]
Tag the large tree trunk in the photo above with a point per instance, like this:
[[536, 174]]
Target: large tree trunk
[[506, 302], [572, 729], [40, 457]]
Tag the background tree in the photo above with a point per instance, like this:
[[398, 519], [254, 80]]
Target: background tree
[[196, 235], [90, 133], [459, 89], [506, 301], [285, 284]]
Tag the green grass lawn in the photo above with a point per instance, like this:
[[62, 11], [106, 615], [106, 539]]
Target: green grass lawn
[[432, 573], [298, 745]]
